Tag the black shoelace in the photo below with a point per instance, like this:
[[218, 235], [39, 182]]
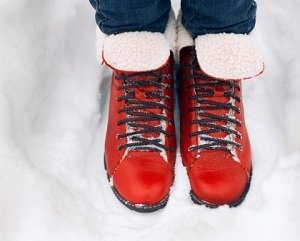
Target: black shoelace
[[137, 117], [205, 87]]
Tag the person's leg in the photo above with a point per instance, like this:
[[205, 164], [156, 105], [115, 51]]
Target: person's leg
[[115, 16], [218, 16]]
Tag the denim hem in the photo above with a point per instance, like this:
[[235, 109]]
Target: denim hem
[[240, 28]]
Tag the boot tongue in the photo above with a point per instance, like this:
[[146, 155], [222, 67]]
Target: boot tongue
[[218, 90], [141, 94], [218, 95], [136, 51]]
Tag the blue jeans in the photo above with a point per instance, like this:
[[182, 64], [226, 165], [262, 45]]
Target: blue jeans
[[198, 16]]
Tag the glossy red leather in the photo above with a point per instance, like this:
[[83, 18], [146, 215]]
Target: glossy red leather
[[216, 177], [140, 177]]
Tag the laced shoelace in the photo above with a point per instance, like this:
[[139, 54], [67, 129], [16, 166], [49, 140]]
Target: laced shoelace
[[138, 114], [205, 87]]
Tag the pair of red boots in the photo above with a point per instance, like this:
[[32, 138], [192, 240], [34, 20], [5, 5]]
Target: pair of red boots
[[140, 148]]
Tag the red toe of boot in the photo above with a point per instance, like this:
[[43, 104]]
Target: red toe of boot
[[144, 180], [223, 183]]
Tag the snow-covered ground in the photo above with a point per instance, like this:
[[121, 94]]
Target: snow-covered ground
[[53, 113]]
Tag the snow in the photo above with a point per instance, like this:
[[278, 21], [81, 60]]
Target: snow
[[53, 114]]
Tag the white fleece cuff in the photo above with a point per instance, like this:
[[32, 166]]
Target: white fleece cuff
[[229, 56], [136, 51], [184, 37]]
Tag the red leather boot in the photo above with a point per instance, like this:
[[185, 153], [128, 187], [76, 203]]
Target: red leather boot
[[215, 147], [140, 141]]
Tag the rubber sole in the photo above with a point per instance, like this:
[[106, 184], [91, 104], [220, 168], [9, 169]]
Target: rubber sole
[[141, 208], [198, 201]]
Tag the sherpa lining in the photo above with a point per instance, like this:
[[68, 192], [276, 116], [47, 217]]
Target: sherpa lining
[[170, 35], [170, 32], [184, 38], [229, 56], [136, 51]]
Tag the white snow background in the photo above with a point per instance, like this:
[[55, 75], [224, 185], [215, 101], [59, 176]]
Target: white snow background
[[53, 114]]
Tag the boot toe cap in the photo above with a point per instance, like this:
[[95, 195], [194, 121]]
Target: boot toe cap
[[143, 182], [219, 187]]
